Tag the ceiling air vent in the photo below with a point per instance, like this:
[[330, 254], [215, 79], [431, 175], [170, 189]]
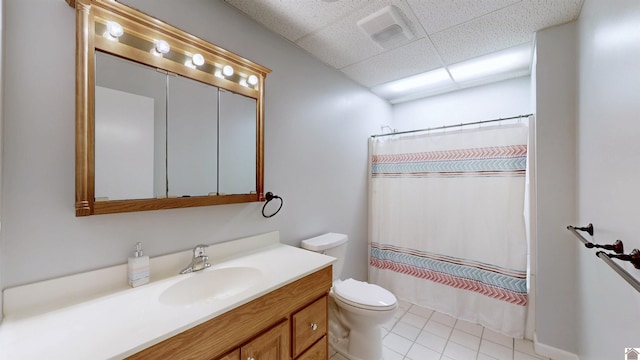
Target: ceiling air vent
[[386, 27]]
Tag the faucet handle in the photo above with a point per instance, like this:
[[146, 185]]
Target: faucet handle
[[199, 250]]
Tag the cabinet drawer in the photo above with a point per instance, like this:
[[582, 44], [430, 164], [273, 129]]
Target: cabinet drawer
[[317, 352], [309, 325]]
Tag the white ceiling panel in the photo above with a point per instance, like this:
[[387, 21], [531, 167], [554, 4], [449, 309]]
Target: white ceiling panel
[[545, 13], [438, 15], [295, 18], [479, 37], [502, 29], [458, 30], [339, 45], [414, 58], [343, 43]]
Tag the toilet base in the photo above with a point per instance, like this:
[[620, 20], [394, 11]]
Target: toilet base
[[341, 347], [363, 343], [366, 344]]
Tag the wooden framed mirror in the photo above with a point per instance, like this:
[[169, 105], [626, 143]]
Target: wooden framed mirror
[[163, 119]]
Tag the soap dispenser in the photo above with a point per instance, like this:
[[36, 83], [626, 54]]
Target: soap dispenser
[[138, 268]]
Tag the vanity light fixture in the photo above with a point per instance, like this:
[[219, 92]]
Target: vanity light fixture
[[227, 70], [114, 31], [162, 47], [252, 80]]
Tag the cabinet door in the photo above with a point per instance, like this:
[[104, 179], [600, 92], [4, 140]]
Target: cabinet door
[[272, 345], [234, 355]]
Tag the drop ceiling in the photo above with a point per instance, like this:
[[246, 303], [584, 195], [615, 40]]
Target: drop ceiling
[[445, 32]]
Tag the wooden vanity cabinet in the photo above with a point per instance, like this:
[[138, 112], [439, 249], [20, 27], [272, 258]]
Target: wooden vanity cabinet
[[287, 323]]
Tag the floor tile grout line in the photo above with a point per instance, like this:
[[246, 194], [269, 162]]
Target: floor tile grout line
[[447, 343], [448, 340]]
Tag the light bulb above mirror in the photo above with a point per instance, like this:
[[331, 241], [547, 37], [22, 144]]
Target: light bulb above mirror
[[114, 31], [161, 47], [197, 59], [227, 70]]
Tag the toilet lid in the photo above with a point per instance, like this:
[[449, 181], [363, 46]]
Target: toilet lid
[[364, 295]]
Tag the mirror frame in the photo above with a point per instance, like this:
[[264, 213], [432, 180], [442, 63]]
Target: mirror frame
[[90, 12]]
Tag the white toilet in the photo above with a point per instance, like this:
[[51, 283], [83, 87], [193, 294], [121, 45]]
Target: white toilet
[[357, 309]]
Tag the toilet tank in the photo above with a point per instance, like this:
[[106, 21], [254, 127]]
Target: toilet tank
[[332, 244]]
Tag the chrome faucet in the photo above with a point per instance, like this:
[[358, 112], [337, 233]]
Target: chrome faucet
[[199, 261]]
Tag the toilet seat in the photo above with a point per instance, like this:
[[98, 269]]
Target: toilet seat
[[364, 295]]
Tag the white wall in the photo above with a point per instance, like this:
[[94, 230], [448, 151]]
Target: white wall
[[608, 172], [587, 82], [556, 78], [1, 137], [317, 125], [499, 100]]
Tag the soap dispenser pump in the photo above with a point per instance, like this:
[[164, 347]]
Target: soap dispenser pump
[[138, 267]]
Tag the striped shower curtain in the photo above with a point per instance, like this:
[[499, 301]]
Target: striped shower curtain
[[447, 227]]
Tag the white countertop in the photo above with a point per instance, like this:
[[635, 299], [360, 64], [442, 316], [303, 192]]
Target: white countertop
[[124, 322]]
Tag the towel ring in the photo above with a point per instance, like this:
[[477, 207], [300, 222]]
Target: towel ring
[[270, 196]]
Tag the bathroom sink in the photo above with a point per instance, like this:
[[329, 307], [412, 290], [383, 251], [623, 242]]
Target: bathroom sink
[[210, 285]]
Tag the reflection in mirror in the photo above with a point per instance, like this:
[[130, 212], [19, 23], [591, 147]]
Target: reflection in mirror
[[237, 144], [130, 113], [192, 138], [136, 158]]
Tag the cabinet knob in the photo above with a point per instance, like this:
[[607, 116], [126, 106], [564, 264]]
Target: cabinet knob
[[250, 358], [314, 326]]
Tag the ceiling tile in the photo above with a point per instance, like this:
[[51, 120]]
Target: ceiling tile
[[437, 15], [414, 58], [338, 46], [342, 43], [502, 29], [295, 18], [544, 13], [458, 30]]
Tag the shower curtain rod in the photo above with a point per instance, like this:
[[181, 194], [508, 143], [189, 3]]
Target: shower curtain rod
[[451, 126]]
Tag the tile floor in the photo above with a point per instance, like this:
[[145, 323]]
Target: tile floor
[[416, 333]]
